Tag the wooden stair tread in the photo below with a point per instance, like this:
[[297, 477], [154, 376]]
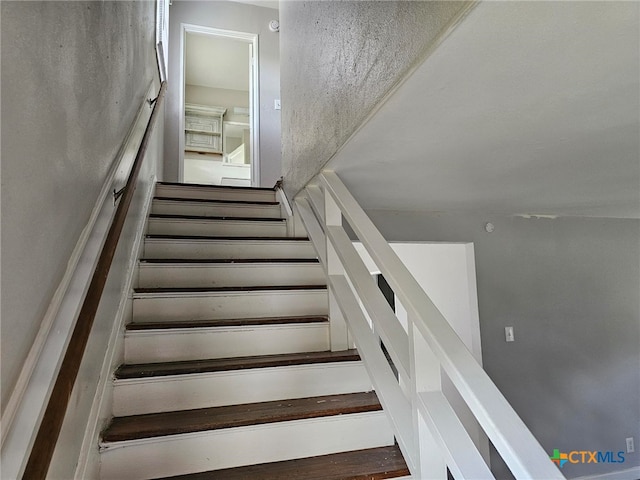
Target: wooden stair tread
[[237, 363], [230, 322], [214, 418], [228, 260], [369, 464], [214, 201], [214, 237], [226, 289], [172, 216], [215, 187]]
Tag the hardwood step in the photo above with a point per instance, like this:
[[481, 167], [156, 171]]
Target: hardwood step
[[214, 202], [180, 454], [237, 363], [152, 261], [210, 217], [172, 304], [207, 186], [211, 226], [214, 192], [226, 322], [368, 464], [222, 237], [193, 246], [228, 272], [174, 423], [252, 288], [223, 208], [168, 386], [165, 341]]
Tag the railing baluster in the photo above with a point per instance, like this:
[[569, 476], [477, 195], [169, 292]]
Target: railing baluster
[[384, 322], [425, 377], [338, 326], [389, 392], [314, 230], [436, 436]]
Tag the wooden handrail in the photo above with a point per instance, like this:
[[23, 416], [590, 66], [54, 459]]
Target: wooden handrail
[[51, 424]]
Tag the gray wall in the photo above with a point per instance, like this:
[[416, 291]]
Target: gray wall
[[241, 18], [569, 287], [74, 75], [339, 59]]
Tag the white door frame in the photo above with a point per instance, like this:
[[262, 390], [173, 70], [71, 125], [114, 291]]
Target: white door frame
[[254, 93]]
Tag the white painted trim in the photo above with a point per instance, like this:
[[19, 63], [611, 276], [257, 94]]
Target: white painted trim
[[315, 232], [226, 448], [285, 210], [254, 93], [197, 331], [438, 341], [212, 389], [29, 398], [433, 345], [629, 474], [275, 291], [115, 445], [101, 400], [247, 372]]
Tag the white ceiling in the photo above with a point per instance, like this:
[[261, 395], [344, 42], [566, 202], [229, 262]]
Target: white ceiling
[[217, 62], [526, 108]]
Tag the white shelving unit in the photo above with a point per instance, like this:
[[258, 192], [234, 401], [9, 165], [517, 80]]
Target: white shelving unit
[[203, 128]]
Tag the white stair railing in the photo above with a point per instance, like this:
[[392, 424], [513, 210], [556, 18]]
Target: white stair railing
[[429, 432]]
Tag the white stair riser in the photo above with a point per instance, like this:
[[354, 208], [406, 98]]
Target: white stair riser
[[184, 392], [175, 455], [215, 209], [230, 275], [222, 342], [224, 249], [219, 228], [213, 306], [212, 193]]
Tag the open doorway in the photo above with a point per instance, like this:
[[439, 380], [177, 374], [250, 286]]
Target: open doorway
[[219, 118]]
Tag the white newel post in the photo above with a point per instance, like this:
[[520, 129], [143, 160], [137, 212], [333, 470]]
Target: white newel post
[[338, 326], [425, 377]]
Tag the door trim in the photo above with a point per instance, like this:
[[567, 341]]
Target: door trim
[[254, 93]]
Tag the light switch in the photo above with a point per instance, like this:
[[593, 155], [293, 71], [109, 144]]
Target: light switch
[[508, 334], [276, 104]]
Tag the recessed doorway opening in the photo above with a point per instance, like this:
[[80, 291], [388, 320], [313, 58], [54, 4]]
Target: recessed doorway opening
[[219, 98]]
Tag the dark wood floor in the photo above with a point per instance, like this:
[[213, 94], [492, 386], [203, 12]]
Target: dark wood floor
[[237, 363], [185, 421], [231, 322], [369, 464]]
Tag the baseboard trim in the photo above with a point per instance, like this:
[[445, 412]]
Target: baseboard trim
[[628, 474], [88, 460], [295, 227], [28, 400]]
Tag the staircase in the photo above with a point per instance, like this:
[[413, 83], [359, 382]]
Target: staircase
[[228, 370]]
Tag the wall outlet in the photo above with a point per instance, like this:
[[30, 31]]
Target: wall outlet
[[508, 334], [630, 446]]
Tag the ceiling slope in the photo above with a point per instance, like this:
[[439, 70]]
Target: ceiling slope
[[526, 108]]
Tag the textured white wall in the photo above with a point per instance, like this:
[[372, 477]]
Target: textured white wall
[[74, 75], [240, 18], [339, 59]]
